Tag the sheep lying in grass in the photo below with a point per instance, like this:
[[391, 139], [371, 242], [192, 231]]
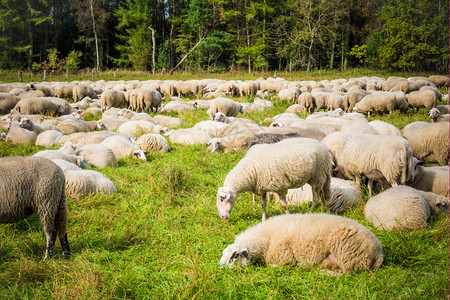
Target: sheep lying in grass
[[122, 147], [152, 142], [35, 185], [189, 136], [18, 135], [59, 154], [49, 138], [97, 155], [229, 143], [81, 183], [276, 168], [344, 194], [306, 241], [403, 207]]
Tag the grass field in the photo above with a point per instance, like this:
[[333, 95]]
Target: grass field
[[160, 237]]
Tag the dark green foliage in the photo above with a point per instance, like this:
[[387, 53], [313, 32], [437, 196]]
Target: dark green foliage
[[251, 35]]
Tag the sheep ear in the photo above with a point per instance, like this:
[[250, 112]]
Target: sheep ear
[[244, 257], [224, 193]]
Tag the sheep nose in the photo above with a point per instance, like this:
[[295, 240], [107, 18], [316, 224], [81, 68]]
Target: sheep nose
[[224, 217]]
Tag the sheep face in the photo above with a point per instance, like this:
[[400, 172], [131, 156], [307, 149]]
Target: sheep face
[[230, 255], [140, 154], [220, 117], [225, 202], [434, 113], [214, 145]]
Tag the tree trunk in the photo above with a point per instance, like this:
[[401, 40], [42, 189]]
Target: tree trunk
[[171, 35], [30, 57], [248, 45], [153, 50], [91, 3]]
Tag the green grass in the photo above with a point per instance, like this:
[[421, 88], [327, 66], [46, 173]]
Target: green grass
[[160, 237]]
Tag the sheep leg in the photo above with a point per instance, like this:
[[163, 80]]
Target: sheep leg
[[65, 245], [330, 263], [51, 238], [283, 202], [370, 186], [264, 204]]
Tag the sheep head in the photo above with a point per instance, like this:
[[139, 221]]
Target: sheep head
[[214, 145], [225, 201], [140, 154], [231, 253]]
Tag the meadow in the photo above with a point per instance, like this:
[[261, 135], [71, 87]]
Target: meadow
[[160, 236]]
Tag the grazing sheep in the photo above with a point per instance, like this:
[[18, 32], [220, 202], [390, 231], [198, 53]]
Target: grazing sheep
[[80, 91], [403, 207], [37, 106], [35, 185], [97, 155], [423, 98], [145, 100], [350, 100], [82, 183], [123, 147], [375, 156], [112, 98], [290, 94], [430, 141], [376, 102], [306, 102], [335, 101], [307, 240], [189, 136], [276, 168], [64, 91], [430, 179], [248, 88], [49, 138], [439, 80], [152, 142], [227, 106]]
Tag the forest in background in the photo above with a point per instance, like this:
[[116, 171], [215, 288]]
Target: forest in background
[[224, 35]]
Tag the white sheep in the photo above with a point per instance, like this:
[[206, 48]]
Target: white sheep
[[212, 127], [80, 91], [377, 102], [18, 135], [169, 122], [403, 207], [307, 240], [178, 107], [112, 98], [423, 98], [49, 138], [35, 185], [344, 194], [138, 128], [152, 142], [385, 128], [98, 155], [430, 179], [275, 168], [189, 136], [123, 147], [61, 154], [430, 141], [437, 113], [375, 156], [229, 143], [82, 183], [358, 126], [227, 106]]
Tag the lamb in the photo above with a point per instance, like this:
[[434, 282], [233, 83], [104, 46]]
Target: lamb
[[227, 106], [36, 106], [423, 98], [430, 141], [112, 98], [82, 183], [35, 185], [430, 179], [189, 136], [123, 147], [98, 155], [152, 142], [307, 240], [403, 207], [275, 168], [26, 123]]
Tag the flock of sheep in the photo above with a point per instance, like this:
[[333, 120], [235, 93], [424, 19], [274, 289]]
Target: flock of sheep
[[324, 159]]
